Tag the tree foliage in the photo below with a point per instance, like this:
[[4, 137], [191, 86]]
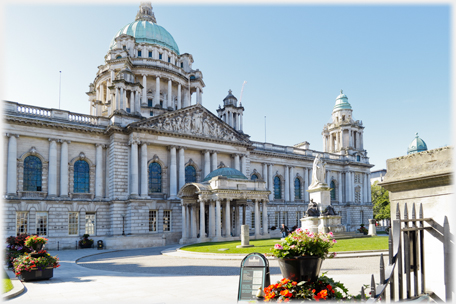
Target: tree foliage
[[381, 202]]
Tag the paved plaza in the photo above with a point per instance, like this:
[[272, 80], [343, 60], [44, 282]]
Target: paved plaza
[[148, 276]]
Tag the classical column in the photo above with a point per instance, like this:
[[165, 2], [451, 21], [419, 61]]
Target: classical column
[[340, 187], [11, 174], [347, 187], [369, 197], [287, 183], [186, 98], [211, 232], [270, 183], [144, 169], [52, 186], [265, 175], [157, 91], [342, 141], [179, 97], [324, 143], [144, 91], [237, 223], [98, 170], [361, 141], [172, 173], [236, 162], [231, 119], [202, 220], [137, 102], [218, 219], [122, 99], [257, 218], [352, 188], [198, 101], [117, 103], [227, 219], [134, 167], [64, 168], [306, 184], [184, 220], [170, 86], [337, 141], [244, 164], [132, 102], [240, 122], [214, 160], [265, 217], [292, 193], [181, 167], [193, 220], [207, 163]]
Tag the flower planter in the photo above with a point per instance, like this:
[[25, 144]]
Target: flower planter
[[36, 275], [87, 245], [304, 268]]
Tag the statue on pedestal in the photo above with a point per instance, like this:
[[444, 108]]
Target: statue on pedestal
[[329, 211], [312, 209], [318, 173]]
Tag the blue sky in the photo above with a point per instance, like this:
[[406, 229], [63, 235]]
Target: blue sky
[[392, 61]]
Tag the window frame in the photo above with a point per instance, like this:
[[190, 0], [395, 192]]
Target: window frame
[[150, 178], [46, 228], [77, 186], [75, 224], [153, 224], [86, 231], [167, 222], [20, 223], [297, 188], [278, 191], [187, 175], [33, 177], [139, 53]]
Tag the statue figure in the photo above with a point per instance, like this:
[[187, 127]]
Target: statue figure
[[318, 173], [312, 209], [329, 211]]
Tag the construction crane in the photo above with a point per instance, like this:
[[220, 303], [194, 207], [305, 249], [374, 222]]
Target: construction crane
[[242, 91]]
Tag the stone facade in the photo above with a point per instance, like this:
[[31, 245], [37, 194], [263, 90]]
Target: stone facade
[[141, 115]]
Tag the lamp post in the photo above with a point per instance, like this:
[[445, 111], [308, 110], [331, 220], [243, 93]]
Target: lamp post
[[123, 224]]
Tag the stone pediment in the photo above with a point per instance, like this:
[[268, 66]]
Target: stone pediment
[[194, 120]]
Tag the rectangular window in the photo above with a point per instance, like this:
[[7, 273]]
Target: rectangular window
[[124, 47], [276, 219], [169, 59], [21, 223], [149, 103], [182, 64], [160, 56], [73, 219], [139, 53], [90, 224], [151, 113], [41, 223], [298, 218], [150, 54], [152, 220], [167, 220], [252, 219]]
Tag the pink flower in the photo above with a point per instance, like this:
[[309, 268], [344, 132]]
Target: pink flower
[[278, 246], [334, 241], [330, 233], [292, 246], [299, 230]]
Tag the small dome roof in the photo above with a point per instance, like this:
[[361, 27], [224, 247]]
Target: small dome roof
[[226, 172], [342, 102], [417, 145], [230, 99]]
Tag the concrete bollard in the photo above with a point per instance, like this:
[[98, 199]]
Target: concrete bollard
[[244, 237], [372, 229]]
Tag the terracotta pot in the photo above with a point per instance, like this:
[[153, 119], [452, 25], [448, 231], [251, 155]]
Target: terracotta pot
[[306, 268]]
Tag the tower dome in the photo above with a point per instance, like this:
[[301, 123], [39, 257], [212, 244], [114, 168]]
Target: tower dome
[[417, 145], [342, 102], [229, 173], [145, 29], [230, 99]]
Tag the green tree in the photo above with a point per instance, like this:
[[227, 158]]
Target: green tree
[[381, 202]]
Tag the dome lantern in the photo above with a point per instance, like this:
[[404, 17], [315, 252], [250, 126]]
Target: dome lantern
[[145, 13], [342, 102], [417, 145]]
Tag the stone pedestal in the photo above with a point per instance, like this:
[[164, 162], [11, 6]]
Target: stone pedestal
[[327, 223], [310, 223], [244, 237], [321, 196], [372, 229]]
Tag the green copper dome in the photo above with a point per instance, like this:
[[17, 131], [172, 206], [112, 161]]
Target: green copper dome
[[227, 172], [417, 145], [342, 102]]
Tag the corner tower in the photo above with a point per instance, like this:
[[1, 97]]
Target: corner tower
[[343, 135], [231, 113], [144, 73]]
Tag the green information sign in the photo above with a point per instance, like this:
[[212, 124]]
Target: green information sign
[[254, 274]]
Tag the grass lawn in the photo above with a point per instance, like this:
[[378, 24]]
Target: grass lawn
[[263, 246], [7, 285]]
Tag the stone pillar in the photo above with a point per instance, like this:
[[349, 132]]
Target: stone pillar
[[236, 162], [306, 184], [179, 97], [218, 219], [244, 164], [134, 167], [98, 170], [198, 101], [202, 220], [369, 191], [347, 187], [157, 91], [52, 185], [257, 219], [211, 232], [270, 183], [292, 179], [340, 186], [352, 188], [122, 99], [227, 219], [184, 220], [361, 141], [214, 160], [172, 173], [181, 167], [265, 217], [137, 102], [193, 220], [132, 101], [265, 175], [117, 103], [11, 180], [238, 118], [231, 119], [324, 143], [170, 96], [207, 163], [287, 183], [144, 169], [144, 91], [237, 223], [241, 123], [342, 141], [64, 168]]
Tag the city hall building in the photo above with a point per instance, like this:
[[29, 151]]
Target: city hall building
[[147, 167]]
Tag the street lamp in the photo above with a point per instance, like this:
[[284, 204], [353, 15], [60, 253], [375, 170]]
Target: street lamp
[[123, 224]]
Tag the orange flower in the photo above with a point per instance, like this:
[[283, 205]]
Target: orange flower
[[294, 283], [284, 292], [313, 290], [287, 300], [285, 281], [323, 294]]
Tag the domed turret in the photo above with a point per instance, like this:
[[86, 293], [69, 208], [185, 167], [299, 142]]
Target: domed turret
[[231, 113], [226, 172], [342, 102], [417, 145]]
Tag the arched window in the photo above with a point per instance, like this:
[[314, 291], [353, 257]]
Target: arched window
[[254, 177], [333, 190], [277, 188], [155, 178], [190, 174], [297, 188], [32, 173], [81, 177]]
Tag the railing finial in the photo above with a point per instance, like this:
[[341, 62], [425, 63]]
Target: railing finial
[[372, 287], [398, 212]]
